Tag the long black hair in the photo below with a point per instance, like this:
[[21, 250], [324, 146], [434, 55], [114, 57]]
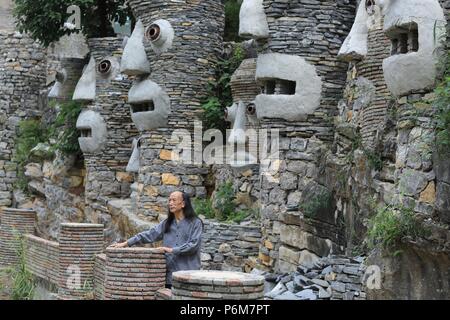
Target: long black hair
[[188, 210]]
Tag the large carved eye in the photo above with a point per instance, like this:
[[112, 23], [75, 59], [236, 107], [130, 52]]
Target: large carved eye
[[104, 67], [370, 7], [153, 33], [251, 109]]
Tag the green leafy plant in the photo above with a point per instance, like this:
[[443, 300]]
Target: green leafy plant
[[315, 204], [373, 157], [64, 130], [204, 207], [44, 19], [239, 216], [390, 225], [219, 91], [23, 284], [62, 135], [30, 133], [224, 201]]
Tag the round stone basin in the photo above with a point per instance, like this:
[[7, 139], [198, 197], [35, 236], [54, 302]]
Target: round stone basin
[[223, 278]]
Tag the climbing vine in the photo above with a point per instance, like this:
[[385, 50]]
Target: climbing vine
[[219, 91]]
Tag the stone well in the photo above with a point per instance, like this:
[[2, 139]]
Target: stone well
[[78, 244], [14, 223], [212, 285], [134, 273]]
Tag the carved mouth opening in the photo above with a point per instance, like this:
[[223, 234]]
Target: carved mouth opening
[[278, 86], [153, 32], [143, 107], [86, 133], [104, 67], [404, 39]]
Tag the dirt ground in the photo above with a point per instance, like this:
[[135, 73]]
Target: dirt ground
[[5, 284]]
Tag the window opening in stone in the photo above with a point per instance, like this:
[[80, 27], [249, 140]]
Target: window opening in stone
[[153, 32], [143, 107], [86, 133], [278, 86], [286, 87], [104, 66], [269, 87], [404, 39]]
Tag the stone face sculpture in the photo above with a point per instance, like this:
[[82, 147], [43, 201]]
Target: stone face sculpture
[[57, 89], [85, 89], [253, 20], [355, 45], [150, 105], [416, 29], [93, 131], [134, 59], [291, 87], [238, 155], [181, 41]]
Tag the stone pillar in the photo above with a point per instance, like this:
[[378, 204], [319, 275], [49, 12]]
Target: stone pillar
[[22, 77], [301, 81], [14, 224], [107, 130], [78, 245], [134, 273], [217, 285], [182, 43]]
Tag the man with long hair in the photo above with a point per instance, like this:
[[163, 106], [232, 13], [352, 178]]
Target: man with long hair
[[181, 234]]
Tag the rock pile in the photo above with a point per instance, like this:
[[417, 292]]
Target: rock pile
[[332, 278]]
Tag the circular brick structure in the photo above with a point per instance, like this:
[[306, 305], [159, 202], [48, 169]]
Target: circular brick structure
[[14, 223], [212, 285], [78, 245], [134, 273]]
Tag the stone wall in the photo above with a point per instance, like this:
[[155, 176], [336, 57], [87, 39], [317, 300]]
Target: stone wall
[[229, 247], [22, 77]]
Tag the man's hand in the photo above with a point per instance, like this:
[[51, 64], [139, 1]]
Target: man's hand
[[120, 245], [164, 250]]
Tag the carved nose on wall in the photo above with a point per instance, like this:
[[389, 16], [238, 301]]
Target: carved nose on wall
[[134, 59]]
